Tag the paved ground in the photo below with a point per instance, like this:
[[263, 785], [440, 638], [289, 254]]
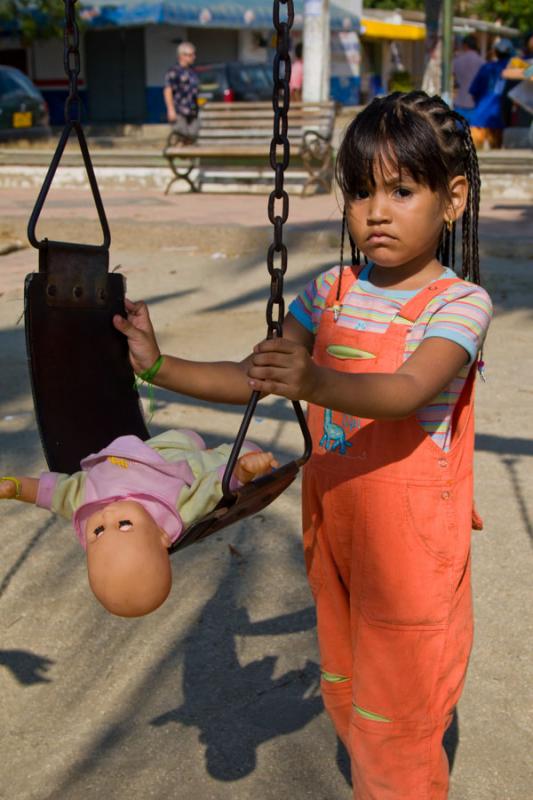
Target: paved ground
[[215, 695]]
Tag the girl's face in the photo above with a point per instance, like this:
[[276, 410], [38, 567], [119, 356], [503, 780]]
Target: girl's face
[[396, 223]]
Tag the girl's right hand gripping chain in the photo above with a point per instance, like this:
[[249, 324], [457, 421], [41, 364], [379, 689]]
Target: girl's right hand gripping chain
[[142, 343]]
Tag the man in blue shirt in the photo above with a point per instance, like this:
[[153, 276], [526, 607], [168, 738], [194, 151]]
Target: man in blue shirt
[[181, 95], [488, 89]]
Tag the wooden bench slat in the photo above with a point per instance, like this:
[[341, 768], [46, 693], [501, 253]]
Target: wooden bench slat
[[219, 133], [226, 149], [216, 105], [253, 123], [262, 116]]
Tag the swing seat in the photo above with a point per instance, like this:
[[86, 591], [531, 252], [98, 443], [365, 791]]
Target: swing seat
[[249, 500], [82, 382]]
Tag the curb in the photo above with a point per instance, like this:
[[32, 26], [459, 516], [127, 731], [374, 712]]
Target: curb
[[505, 175]]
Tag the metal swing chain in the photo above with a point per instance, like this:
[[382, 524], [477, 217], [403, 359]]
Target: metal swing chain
[[71, 61], [279, 161]]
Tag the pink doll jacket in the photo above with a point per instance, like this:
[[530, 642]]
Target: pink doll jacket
[[135, 470]]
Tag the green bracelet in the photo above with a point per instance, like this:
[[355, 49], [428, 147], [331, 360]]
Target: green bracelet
[[149, 374], [148, 377]]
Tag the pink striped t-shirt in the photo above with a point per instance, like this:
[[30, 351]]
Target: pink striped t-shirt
[[462, 313]]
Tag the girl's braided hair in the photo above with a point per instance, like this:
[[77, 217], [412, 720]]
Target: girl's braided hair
[[424, 136]]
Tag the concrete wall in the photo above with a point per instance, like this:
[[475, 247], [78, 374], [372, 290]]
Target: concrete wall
[[47, 72], [253, 46]]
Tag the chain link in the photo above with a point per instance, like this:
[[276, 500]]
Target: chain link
[[279, 161], [71, 62]]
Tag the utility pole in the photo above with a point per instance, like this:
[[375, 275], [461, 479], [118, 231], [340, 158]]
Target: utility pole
[[447, 51], [316, 51], [432, 80]]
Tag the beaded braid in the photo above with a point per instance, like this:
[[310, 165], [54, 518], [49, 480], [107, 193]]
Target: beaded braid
[[459, 154], [356, 253], [471, 214]]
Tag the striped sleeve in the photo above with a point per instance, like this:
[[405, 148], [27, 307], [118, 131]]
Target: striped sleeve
[[307, 307], [462, 314]]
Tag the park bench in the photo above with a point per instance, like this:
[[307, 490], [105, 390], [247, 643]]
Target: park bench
[[239, 135]]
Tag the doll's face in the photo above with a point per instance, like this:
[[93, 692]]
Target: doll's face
[[127, 559]]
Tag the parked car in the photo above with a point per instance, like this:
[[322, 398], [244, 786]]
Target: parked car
[[234, 81], [23, 109]]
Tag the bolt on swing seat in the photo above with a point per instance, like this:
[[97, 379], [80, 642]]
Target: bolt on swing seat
[[82, 382]]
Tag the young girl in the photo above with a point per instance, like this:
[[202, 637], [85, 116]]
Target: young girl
[[385, 355]]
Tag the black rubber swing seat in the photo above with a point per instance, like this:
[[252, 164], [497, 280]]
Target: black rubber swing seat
[[249, 500], [83, 385]]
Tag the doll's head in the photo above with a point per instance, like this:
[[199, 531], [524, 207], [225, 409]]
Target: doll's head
[[127, 559]]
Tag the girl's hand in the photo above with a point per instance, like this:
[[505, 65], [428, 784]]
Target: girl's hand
[[142, 344], [283, 367]]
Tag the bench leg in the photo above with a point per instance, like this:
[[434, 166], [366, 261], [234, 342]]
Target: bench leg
[[317, 158], [317, 180], [182, 174]]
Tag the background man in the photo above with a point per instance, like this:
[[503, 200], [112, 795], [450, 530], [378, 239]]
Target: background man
[[181, 94], [466, 65], [488, 89]]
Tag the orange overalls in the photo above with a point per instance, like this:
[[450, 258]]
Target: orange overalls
[[387, 518]]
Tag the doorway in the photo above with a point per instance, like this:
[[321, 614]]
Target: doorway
[[116, 85]]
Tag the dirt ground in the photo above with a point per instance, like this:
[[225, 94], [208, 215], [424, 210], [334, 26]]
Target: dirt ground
[[216, 694]]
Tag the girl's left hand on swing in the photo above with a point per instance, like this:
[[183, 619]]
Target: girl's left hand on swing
[[283, 367]]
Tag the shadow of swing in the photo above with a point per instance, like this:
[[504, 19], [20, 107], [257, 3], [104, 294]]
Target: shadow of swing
[[28, 668], [237, 707]]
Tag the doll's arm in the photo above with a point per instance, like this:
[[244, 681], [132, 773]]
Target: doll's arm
[[208, 467], [19, 488], [60, 493], [253, 465], [64, 494]]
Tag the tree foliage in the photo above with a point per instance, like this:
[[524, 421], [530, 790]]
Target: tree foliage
[[33, 19], [515, 13]]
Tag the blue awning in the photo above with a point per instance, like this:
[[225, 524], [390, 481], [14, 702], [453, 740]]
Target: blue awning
[[251, 14]]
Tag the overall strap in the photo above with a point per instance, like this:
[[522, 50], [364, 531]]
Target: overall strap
[[416, 305]]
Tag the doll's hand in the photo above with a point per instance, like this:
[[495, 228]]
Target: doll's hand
[[138, 328], [253, 465], [8, 490], [283, 367]]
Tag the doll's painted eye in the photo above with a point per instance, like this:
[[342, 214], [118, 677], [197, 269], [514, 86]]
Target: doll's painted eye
[[100, 529], [125, 524]]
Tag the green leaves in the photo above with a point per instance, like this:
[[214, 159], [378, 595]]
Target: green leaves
[[515, 13], [34, 19]]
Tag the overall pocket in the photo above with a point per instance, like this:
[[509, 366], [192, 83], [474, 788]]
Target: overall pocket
[[410, 535]]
